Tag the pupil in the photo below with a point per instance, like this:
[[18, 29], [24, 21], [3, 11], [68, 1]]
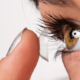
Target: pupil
[[74, 33], [71, 36]]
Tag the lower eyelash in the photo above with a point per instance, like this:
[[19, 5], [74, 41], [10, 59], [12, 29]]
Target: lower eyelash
[[62, 52]]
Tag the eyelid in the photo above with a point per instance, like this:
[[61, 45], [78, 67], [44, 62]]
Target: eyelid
[[74, 22]]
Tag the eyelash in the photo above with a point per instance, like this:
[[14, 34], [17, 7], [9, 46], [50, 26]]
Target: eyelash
[[56, 25]]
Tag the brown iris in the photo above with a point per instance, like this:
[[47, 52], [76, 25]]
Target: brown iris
[[69, 38]]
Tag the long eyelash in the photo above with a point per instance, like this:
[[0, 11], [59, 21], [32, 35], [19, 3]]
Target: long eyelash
[[55, 25]]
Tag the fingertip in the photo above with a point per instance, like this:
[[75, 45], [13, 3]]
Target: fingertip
[[30, 40], [28, 34], [29, 50], [25, 55], [28, 47]]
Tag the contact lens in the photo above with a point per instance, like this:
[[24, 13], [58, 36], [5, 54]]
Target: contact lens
[[46, 43], [14, 43], [43, 39], [49, 44]]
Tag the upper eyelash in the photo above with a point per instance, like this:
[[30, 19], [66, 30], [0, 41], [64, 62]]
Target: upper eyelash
[[57, 24]]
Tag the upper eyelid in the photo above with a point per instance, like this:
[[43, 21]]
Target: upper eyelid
[[52, 21], [77, 23], [74, 23]]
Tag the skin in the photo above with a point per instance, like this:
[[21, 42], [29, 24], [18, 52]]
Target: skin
[[20, 63], [71, 61]]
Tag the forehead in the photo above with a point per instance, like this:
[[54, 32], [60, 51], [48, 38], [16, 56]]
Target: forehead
[[59, 2], [62, 3], [68, 12]]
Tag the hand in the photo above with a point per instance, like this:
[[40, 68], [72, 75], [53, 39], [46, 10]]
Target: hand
[[72, 65], [20, 63]]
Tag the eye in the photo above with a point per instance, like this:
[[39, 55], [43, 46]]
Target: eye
[[65, 30], [72, 38]]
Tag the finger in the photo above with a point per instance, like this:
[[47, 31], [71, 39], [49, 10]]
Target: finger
[[23, 59], [72, 64]]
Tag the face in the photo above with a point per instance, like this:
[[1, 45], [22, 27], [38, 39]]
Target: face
[[70, 11]]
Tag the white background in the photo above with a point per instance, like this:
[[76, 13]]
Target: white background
[[15, 15]]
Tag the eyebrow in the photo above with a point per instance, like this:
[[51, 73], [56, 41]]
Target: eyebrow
[[61, 3]]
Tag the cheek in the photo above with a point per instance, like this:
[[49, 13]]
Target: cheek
[[72, 59]]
